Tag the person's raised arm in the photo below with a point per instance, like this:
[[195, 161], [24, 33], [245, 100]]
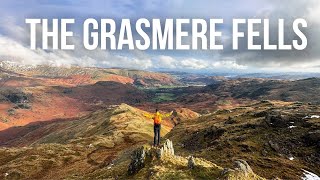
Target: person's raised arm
[[167, 114], [150, 116]]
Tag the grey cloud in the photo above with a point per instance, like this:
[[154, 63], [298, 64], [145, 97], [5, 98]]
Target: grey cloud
[[288, 10]]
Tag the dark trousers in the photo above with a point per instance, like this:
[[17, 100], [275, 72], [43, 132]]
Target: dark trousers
[[157, 128]]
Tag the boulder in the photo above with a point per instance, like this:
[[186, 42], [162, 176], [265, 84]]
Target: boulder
[[277, 120], [242, 166], [241, 170]]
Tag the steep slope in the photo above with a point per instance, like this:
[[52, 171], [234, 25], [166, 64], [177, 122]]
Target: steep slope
[[277, 139], [109, 93]]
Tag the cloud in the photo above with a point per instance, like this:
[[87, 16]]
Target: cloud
[[14, 40], [192, 63], [9, 28], [313, 13], [283, 60], [14, 51], [127, 62], [168, 62], [229, 64], [298, 67]]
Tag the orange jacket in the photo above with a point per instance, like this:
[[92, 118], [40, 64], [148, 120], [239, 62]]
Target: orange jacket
[[157, 117]]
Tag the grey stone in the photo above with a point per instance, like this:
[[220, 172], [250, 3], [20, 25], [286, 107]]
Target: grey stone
[[242, 166], [274, 146], [191, 163]]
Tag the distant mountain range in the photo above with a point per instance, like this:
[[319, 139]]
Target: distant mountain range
[[137, 77]]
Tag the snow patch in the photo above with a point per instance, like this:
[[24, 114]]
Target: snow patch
[[290, 127], [312, 117], [309, 175]]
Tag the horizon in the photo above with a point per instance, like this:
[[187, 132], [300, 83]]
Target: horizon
[[272, 75]]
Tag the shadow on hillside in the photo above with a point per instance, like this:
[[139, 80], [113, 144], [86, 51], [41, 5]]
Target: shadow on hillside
[[18, 135]]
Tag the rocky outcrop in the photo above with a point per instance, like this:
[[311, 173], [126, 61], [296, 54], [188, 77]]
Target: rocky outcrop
[[161, 162], [138, 158], [143, 154], [277, 120], [243, 166], [284, 120], [167, 149], [241, 170]]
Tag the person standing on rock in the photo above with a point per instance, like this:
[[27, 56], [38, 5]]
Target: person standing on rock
[[157, 118]]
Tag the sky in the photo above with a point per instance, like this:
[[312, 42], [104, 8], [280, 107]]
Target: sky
[[15, 39]]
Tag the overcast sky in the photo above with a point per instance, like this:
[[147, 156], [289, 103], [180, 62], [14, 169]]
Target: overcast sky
[[14, 34]]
